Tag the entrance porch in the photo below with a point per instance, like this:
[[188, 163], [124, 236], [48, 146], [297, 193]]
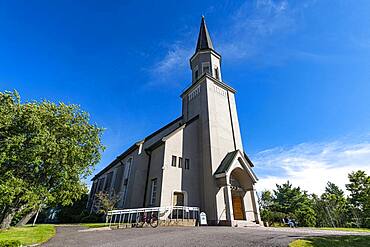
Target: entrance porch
[[236, 180]]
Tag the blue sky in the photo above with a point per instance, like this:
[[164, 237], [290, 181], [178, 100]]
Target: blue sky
[[301, 69]]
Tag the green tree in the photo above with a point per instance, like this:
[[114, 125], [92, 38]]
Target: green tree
[[359, 188], [334, 206], [48, 149], [292, 201], [105, 202], [265, 203], [287, 198]]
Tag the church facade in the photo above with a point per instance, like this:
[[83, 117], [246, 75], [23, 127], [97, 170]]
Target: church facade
[[196, 160]]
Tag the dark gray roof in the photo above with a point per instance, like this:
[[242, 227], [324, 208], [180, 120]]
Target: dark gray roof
[[204, 39], [226, 162], [247, 158]]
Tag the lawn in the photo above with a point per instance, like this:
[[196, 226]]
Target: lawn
[[29, 235], [330, 241], [346, 229]]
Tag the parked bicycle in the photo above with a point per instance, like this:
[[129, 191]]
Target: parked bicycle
[[143, 218]]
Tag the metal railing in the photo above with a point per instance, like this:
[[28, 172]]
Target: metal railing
[[170, 213]]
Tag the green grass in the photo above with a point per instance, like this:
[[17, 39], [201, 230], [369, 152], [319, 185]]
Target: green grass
[[337, 241], [94, 225], [346, 229], [29, 235]]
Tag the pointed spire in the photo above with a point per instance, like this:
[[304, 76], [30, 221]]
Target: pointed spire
[[204, 40]]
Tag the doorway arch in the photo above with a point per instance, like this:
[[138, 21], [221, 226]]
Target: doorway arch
[[239, 184]]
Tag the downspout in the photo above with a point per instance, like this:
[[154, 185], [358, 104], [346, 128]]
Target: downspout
[[149, 153], [231, 120]]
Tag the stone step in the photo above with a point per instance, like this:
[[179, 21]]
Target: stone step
[[244, 223]]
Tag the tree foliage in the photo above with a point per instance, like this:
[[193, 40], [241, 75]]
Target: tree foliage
[[45, 151], [332, 209], [105, 202], [359, 188], [290, 201]]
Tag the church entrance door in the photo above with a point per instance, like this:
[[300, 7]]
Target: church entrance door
[[178, 199], [238, 207]]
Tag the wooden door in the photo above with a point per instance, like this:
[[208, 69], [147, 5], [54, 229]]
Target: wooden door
[[178, 199], [238, 207]]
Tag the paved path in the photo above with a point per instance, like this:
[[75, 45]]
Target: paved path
[[185, 236]]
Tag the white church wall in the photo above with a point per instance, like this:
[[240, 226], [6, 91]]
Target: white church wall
[[172, 175], [215, 63], [235, 120], [156, 172], [248, 206], [221, 135], [191, 176], [221, 204]]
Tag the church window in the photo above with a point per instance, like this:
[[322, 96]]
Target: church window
[[187, 163], [196, 74], [109, 182], [153, 192], [173, 160], [217, 75], [101, 184], [180, 162]]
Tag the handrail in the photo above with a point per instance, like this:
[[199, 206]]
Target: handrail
[[170, 213], [152, 209]]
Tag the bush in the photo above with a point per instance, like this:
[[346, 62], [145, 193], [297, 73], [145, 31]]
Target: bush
[[10, 243]]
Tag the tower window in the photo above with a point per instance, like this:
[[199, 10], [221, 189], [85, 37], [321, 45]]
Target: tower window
[[205, 68], [187, 164], [217, 75], [173, 160], [180, 162], [196, 74]]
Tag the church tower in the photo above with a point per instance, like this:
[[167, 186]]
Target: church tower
[[223, 163]]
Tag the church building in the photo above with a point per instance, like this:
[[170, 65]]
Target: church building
[[196, 160]]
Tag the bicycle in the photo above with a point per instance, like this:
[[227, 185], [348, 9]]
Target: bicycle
[[143, 218]]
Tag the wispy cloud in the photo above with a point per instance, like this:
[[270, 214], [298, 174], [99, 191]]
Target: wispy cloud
[[253, 28], [175, 60], [257, 29], [312, 165]]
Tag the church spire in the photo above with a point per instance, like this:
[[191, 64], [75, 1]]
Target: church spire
[[205, 59], [204, 39]]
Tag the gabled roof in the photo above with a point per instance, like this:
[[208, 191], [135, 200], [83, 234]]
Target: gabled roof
[[204, 39], [228, 161]]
